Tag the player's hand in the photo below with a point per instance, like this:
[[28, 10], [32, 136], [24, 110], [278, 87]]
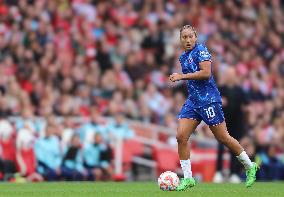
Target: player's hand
[[175, 77]]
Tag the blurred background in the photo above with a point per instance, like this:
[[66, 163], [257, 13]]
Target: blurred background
[[85, 95]]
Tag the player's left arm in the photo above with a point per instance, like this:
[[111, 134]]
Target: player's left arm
[[203, 73]]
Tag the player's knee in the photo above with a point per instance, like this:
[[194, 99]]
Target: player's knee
[[181, 138]]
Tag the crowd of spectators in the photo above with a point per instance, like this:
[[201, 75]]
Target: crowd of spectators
[[66, 57], [51, 149]]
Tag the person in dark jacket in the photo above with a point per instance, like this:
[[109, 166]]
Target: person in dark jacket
[[233, 100]]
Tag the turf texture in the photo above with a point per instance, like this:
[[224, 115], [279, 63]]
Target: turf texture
[[136, 189]]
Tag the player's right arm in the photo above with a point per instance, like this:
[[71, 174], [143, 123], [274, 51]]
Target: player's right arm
[[203, 73]]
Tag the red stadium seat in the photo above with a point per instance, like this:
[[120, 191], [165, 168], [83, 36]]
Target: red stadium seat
[[135, 147], [167, 159], [131, 148], [205, 164]]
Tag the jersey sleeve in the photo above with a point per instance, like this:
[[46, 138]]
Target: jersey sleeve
[[179, 59], [203, 54]]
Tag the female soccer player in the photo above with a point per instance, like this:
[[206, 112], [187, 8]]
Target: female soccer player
[[203, 103]]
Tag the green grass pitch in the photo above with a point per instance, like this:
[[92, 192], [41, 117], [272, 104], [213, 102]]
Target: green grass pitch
[[136, 189]]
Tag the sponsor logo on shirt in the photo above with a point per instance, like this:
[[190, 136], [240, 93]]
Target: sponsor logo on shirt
[[204, 54]]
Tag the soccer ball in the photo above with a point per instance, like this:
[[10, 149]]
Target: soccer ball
[[168, 181]]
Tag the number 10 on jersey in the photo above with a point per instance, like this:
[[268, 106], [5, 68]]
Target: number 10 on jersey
[[210, 112]]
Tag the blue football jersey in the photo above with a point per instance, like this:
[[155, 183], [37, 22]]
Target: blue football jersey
[[200, 92]]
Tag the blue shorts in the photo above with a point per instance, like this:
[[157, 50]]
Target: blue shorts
[[212, 114]]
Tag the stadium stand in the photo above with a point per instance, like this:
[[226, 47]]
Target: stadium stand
[[66, 65]]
